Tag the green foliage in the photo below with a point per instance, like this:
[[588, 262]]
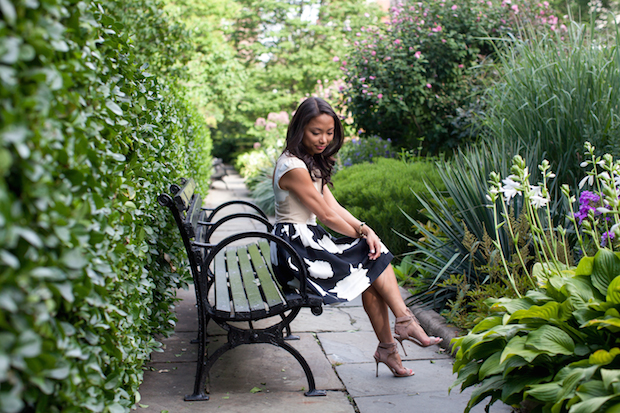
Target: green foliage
[[556, 347], [87, 141], [287, 50], [358, 150], [460, 233], [378, 193], [558, 91], [407, 78]]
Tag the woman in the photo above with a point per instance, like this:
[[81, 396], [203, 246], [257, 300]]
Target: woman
[[340, 269]]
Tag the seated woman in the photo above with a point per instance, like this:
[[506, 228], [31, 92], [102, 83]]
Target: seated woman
[[340, 269]]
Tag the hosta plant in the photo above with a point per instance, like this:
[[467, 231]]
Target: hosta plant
[[556, 346]]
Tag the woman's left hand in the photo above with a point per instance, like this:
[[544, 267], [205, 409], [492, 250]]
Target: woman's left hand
[[374, 243]]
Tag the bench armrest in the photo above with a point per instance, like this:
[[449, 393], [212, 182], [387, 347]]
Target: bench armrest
[[214, 211], [214, 226]]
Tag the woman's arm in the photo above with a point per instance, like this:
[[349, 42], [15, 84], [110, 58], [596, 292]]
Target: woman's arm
[[299, 182], [373, 240]]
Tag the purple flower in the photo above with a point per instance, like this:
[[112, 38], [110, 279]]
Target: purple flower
[[609, 235]]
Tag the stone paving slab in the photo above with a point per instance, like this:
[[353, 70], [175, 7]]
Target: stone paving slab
[[359, 347], [429, 402], [262, 402]]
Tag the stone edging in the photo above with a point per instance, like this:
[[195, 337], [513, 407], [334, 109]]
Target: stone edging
[[433, 323]]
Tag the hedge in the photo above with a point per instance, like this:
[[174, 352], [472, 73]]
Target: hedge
[[376, 193], [88, 259]]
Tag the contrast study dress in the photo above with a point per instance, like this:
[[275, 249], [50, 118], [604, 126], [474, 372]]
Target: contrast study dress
[[339, 268]]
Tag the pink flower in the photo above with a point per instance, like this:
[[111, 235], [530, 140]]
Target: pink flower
[[336, 59], [428, 85], [256, 145], [364, 91], [515, 8], [436, 29], [443, 40], [455, 7], [388, 58], [270, 125], [366, 15], [260, 122], [380, 95], [417, 54], [373, 53], [358, 34], [397, 41], [489, 3], [461, 66], [371, 77]]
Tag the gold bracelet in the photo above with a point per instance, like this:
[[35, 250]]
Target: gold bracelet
[[359, 231]]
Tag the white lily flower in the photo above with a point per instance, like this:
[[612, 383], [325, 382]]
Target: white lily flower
[[583, 164], [604, 175], [510, 188], [538, 201], [614, 227], [603, 210], [589, 179]]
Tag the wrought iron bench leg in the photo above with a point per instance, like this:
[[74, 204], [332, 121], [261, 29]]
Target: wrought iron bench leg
[[312, 390]]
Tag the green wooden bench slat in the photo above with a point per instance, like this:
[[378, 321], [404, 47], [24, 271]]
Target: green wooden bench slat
[[266, 250], [222, 299], [240, 302], [249, 280], [270, 289]]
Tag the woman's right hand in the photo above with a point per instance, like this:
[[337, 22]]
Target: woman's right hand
[[374, 243]]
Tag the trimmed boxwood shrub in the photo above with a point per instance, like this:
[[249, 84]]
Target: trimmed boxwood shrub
[[376, 193], [88, 260]]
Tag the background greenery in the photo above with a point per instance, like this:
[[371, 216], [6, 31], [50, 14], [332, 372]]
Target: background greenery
[[378, 192], [89, 136]]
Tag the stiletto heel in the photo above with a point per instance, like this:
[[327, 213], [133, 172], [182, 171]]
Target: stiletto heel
[[388, 354], [403, 332]]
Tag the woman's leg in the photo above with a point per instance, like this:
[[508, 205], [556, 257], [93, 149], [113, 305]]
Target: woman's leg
[[377, 311], [386, 287]]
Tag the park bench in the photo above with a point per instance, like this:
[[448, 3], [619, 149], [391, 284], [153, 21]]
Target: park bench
[[235, 282], [218, 172]]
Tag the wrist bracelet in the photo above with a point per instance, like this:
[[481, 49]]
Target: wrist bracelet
[[359, 231]]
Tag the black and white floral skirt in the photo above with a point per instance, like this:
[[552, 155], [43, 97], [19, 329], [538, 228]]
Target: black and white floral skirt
[[339, 268]]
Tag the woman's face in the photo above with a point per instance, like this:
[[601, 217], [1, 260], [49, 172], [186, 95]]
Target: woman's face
[[318, 134]]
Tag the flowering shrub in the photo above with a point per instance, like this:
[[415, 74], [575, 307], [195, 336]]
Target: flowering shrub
[[369, 149], [407, 78]]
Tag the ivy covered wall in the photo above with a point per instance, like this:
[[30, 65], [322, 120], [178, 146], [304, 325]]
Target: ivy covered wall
[[89, 135]]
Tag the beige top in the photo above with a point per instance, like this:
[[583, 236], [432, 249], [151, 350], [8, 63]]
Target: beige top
[[288, 207]]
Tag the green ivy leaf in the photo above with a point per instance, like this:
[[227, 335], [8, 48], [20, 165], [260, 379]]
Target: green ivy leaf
[[114, 107]]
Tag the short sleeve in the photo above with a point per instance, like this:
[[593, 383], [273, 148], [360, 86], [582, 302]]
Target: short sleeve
[[285, 164]]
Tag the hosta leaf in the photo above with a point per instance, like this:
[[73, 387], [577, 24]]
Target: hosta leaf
[[547, 392], [606, 268], [511, 304], [487, 324], [551, 340], [548, 311], [491, 366], [613, 291], [603, 357], [585, 266], [516, 346], [610, 377], [467, 375], [611, 322], [487, 387], [517, 384], [590, 405], [591, 389]]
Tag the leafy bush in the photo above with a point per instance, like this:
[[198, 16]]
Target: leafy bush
[[458, 235], [358, 150], [407, 78], [556, 347], [558, 91], [87, 257], [377, 193]]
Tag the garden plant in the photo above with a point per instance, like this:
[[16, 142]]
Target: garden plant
[[554, 348], [89, 135]]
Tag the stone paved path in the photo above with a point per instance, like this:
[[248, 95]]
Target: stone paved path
[[338, 345]]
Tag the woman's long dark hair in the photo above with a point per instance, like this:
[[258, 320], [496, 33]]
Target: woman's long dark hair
[[324, 161]]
